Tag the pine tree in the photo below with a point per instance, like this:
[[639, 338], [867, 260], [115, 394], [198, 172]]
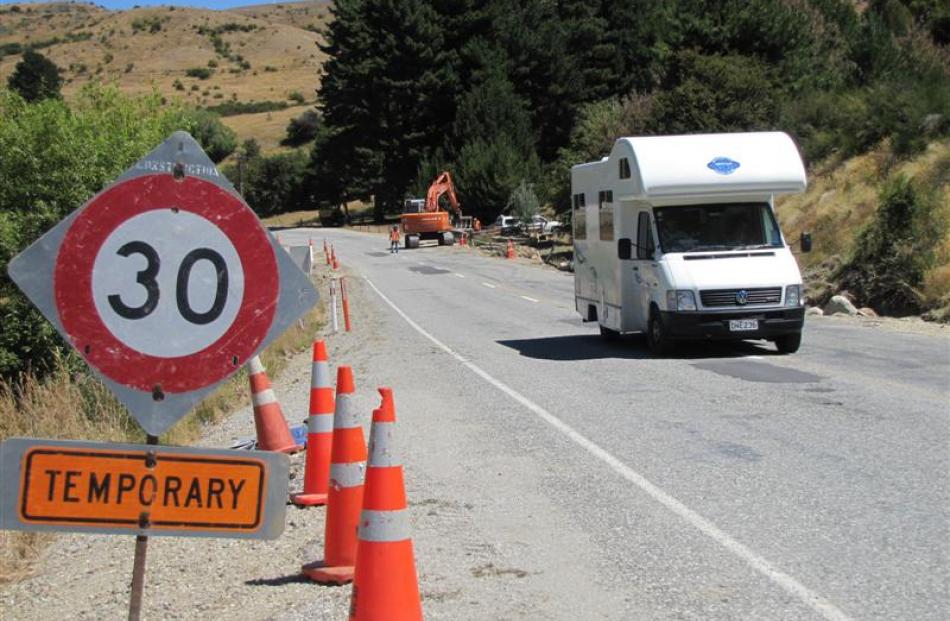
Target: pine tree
[[36, 77], [498, 150], [540, 69], [379, 96]]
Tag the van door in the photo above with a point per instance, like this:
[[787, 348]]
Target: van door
[[644, 271]]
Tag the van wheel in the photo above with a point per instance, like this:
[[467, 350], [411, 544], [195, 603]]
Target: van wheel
[[657, 340], [788, 343], [609, 335]]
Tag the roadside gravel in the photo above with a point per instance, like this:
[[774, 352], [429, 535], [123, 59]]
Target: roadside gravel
[[477, 557]]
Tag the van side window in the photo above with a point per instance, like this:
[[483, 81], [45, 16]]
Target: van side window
[[579, 216], [624, 168], [606, 214], [645, 246]]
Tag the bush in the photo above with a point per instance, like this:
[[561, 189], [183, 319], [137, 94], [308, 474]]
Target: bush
[[272, 185], [296, 96], [891, 254], [217, 139], [36, 77], [251, 107], [74, 151], [202, 73], [303, 129]]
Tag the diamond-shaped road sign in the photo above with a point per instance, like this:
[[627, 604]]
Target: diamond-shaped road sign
[[165, 282]]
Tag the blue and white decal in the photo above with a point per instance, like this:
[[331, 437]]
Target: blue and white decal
[[723, 165]]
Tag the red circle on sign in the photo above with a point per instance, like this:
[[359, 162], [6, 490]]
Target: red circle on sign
[[72, 283]]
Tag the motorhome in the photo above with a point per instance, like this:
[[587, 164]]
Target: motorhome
[[676, 237]]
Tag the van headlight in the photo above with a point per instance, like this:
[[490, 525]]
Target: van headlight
[[680, 300], [793, 295]]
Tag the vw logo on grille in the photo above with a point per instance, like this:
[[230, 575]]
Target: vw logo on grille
[[742, 297]]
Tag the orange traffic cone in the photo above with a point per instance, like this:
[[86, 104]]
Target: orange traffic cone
[[316, 476], [385, 587], [345, 496], [273, 434], [510, 254]]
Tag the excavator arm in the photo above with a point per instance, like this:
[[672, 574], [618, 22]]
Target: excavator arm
[[442, 185]]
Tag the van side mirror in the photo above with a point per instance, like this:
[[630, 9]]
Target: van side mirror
[[624, 249], [804, 242]]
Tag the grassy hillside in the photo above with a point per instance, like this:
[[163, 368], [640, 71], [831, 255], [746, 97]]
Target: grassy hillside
[[254, 54], [843, 199]]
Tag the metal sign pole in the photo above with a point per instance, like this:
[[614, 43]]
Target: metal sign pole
[[141, 549]]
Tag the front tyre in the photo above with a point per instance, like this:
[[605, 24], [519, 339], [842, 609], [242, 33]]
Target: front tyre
[[788, 343], [657, 339]]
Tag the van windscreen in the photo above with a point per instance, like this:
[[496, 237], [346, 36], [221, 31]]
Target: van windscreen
[[720, 226]]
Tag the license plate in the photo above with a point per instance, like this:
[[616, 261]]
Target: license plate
[[740, 325]]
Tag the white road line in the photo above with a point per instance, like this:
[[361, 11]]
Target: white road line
[[460, 275], [489, 285], [810, 598], [524, 297]]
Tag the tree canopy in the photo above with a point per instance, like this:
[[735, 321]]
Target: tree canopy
[[35, 77], [503, 91]]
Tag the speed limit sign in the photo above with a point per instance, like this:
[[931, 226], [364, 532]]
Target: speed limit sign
[[165, 282]]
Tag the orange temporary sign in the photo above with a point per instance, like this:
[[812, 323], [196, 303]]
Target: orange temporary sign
[[144, 489]]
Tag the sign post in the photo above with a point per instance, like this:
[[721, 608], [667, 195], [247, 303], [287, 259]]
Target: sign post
[[166, 284]]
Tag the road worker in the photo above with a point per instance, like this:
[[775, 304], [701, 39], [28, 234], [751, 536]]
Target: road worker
[[394, 239]]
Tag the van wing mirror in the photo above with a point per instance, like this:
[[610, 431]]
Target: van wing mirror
[[624, 249], [804, 242]]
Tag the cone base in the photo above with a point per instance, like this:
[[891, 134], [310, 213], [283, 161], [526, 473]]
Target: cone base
[[289, 449], [308, 500], [328, 575]]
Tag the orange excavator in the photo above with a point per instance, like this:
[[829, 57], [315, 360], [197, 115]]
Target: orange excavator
[[425, 220]]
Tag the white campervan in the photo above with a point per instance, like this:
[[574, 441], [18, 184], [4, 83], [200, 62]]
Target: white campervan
[[676, 236]]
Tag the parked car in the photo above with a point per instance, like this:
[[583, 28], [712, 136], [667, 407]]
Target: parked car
[[507, 225], [540, 224]]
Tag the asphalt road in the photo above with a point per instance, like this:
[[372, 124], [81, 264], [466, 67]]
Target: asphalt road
[[721, 482]]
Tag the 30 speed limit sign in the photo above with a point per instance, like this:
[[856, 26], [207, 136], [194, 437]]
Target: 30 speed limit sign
[[165, 282]]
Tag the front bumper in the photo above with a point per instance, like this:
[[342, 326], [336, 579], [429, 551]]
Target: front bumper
[[715, 324]]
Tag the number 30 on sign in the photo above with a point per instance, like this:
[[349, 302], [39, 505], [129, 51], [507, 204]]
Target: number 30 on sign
[[158, 278]]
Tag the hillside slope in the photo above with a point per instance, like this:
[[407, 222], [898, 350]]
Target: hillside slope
[[253, 54], [843, 198]]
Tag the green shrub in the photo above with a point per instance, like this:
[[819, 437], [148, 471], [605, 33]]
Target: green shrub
[[250, 107], [202, 73], [67, 154], [892, 253]]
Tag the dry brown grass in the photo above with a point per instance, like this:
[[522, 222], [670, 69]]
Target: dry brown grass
[[76, 406], [842, 199], [267, 128], [283, 54], [293, 219]]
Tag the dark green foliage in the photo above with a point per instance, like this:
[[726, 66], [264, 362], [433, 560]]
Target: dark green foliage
[[887, 266], [9, 49], [202, 73], [233, 108], [217, 139], [715, 94], [412, 88], [250, 149], [272, 185], [498, 148], [63, 156], [303, 128], [152, 24], [36, 77]]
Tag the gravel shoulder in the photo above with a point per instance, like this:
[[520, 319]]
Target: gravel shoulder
[[477, 556]]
